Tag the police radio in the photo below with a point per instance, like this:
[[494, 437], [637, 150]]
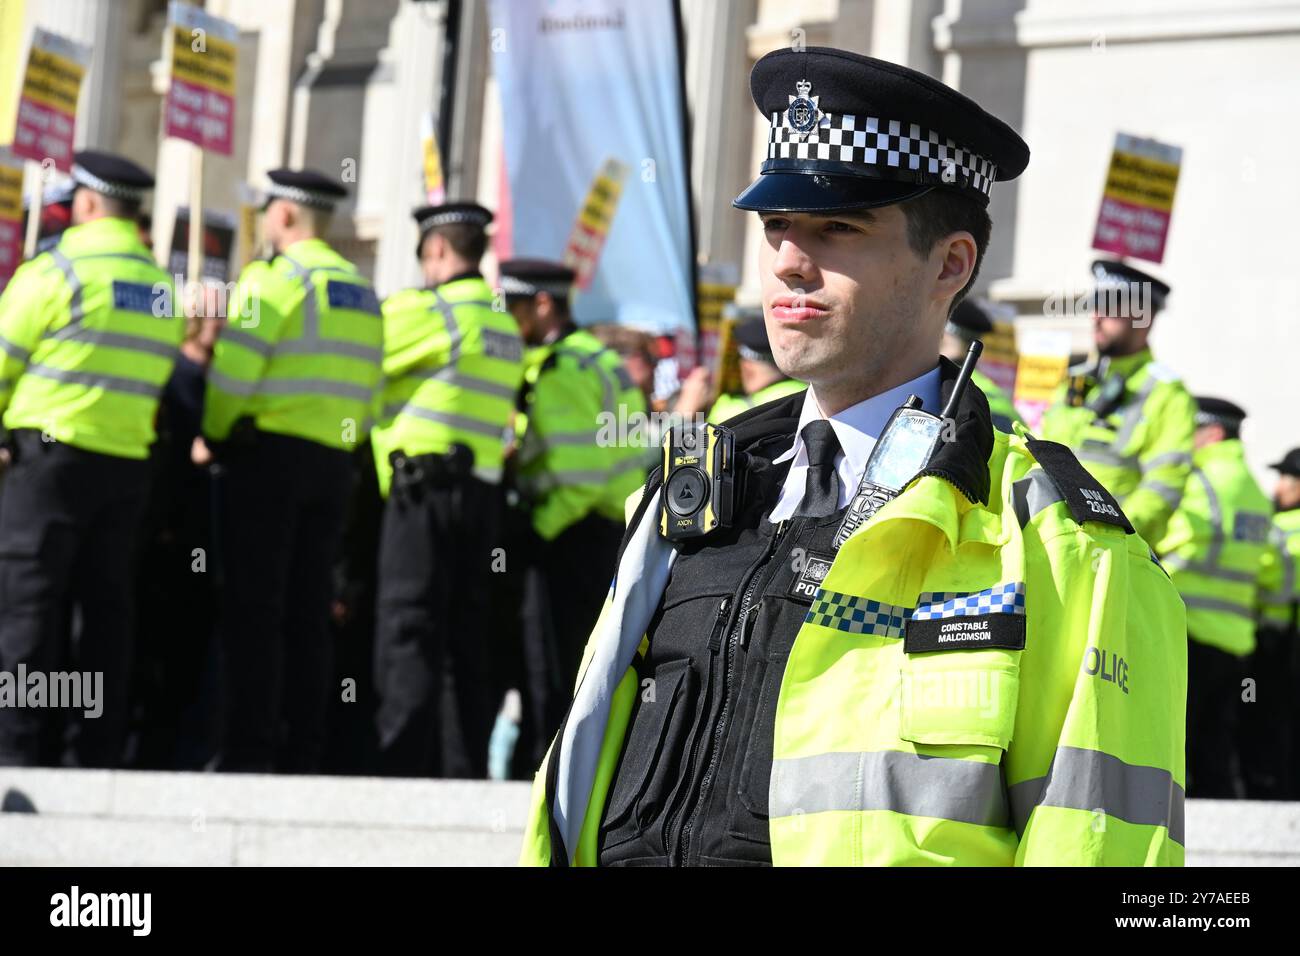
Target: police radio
[[699, 480], [902, 452]]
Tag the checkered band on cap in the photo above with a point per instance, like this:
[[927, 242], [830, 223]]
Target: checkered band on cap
[[303, 197], [884, 149], [448, 217], [116, 190], [513, 285]]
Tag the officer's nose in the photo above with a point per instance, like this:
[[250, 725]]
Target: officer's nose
[[792, 263]]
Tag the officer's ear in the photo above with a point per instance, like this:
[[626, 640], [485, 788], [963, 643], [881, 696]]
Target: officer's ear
[[85, 205]]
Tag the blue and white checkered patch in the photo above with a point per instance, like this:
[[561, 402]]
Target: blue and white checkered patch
[[857, 615], [1006, 598]]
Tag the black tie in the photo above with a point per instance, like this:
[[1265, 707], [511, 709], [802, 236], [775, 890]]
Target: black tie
[[821, 493]]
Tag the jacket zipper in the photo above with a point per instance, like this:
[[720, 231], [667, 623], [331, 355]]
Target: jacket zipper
[[746, 614]]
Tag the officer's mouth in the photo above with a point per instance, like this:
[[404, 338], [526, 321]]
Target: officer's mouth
[[796, 309]]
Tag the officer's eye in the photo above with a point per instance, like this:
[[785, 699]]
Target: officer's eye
[[773, 224], [841, 227]]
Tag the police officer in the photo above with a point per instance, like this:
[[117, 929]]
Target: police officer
[[1213, 549], [970, 323], [1270, 739], [760, 377], [289, 397], [578, 460], [1128, 417], [792, 703], [88, 336], [453, 367]]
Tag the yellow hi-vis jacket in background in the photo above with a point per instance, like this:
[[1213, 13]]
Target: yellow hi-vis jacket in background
[[89, 333], [1067, 752], [1000, 405], [1279, 594], [452, 372], [302, 350], [729, 406], [1215, 547], [1141, 450], [581, 452]]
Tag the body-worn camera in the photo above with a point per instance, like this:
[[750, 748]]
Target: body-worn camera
[[699, 481]]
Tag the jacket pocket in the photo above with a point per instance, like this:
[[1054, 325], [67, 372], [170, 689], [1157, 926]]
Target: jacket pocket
[[756, 769], [960, 697], [647, 768]]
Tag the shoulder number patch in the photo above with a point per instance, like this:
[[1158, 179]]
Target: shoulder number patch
[[1084, 494]]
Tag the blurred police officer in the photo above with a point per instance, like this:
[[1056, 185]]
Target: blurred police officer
[[970, 323], [774, 692], [453, 367], [88, 336], [1213, 548], [1127, 417], [1271, 736], [579, 458], [289, 398]]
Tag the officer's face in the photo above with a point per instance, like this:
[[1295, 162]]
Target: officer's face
[[1118, 334], [850, 306], [1287, 495]]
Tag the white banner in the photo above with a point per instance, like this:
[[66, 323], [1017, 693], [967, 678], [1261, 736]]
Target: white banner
[[595, 142]]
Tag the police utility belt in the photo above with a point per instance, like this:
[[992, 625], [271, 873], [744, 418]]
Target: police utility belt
[[413, 472], [702, 482]]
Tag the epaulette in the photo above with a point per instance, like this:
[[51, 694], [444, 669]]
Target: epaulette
[[1084, 495]]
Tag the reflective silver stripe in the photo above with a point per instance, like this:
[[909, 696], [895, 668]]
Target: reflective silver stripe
[[1133, 412], [313, 386], [310, 307], [1218, 604], [14, 351], [945, 788], [232, 386], [461, 422], [1216, 518], [449, 375], [354, 350], [1081, 779], [1171, 496], [1032, 493], [1210, 570], [453, 330], [580, 439], [564, 477], [1105, 456], [117, 340], [250, 342], [1166, 459], [110, 383], [75, 309]]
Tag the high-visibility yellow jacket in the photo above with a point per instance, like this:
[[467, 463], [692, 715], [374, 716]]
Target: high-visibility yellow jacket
[[1215, 546], [581, 452], [452, 372], [89, 333], [1142, 450], [1279, 594], [729, 406], [1070, 751], [1003, 411], [302, 350]]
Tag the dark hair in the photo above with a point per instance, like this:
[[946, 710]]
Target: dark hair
[[121, 208], [941, 212], [466, 239]]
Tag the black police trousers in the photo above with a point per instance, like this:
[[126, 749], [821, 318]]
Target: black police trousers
[[432, 634], [1213, 715], [1267, 724], [68, 529], [564, 588], [281, 503]]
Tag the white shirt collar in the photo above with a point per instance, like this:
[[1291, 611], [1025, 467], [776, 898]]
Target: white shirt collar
[[858, 426]]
